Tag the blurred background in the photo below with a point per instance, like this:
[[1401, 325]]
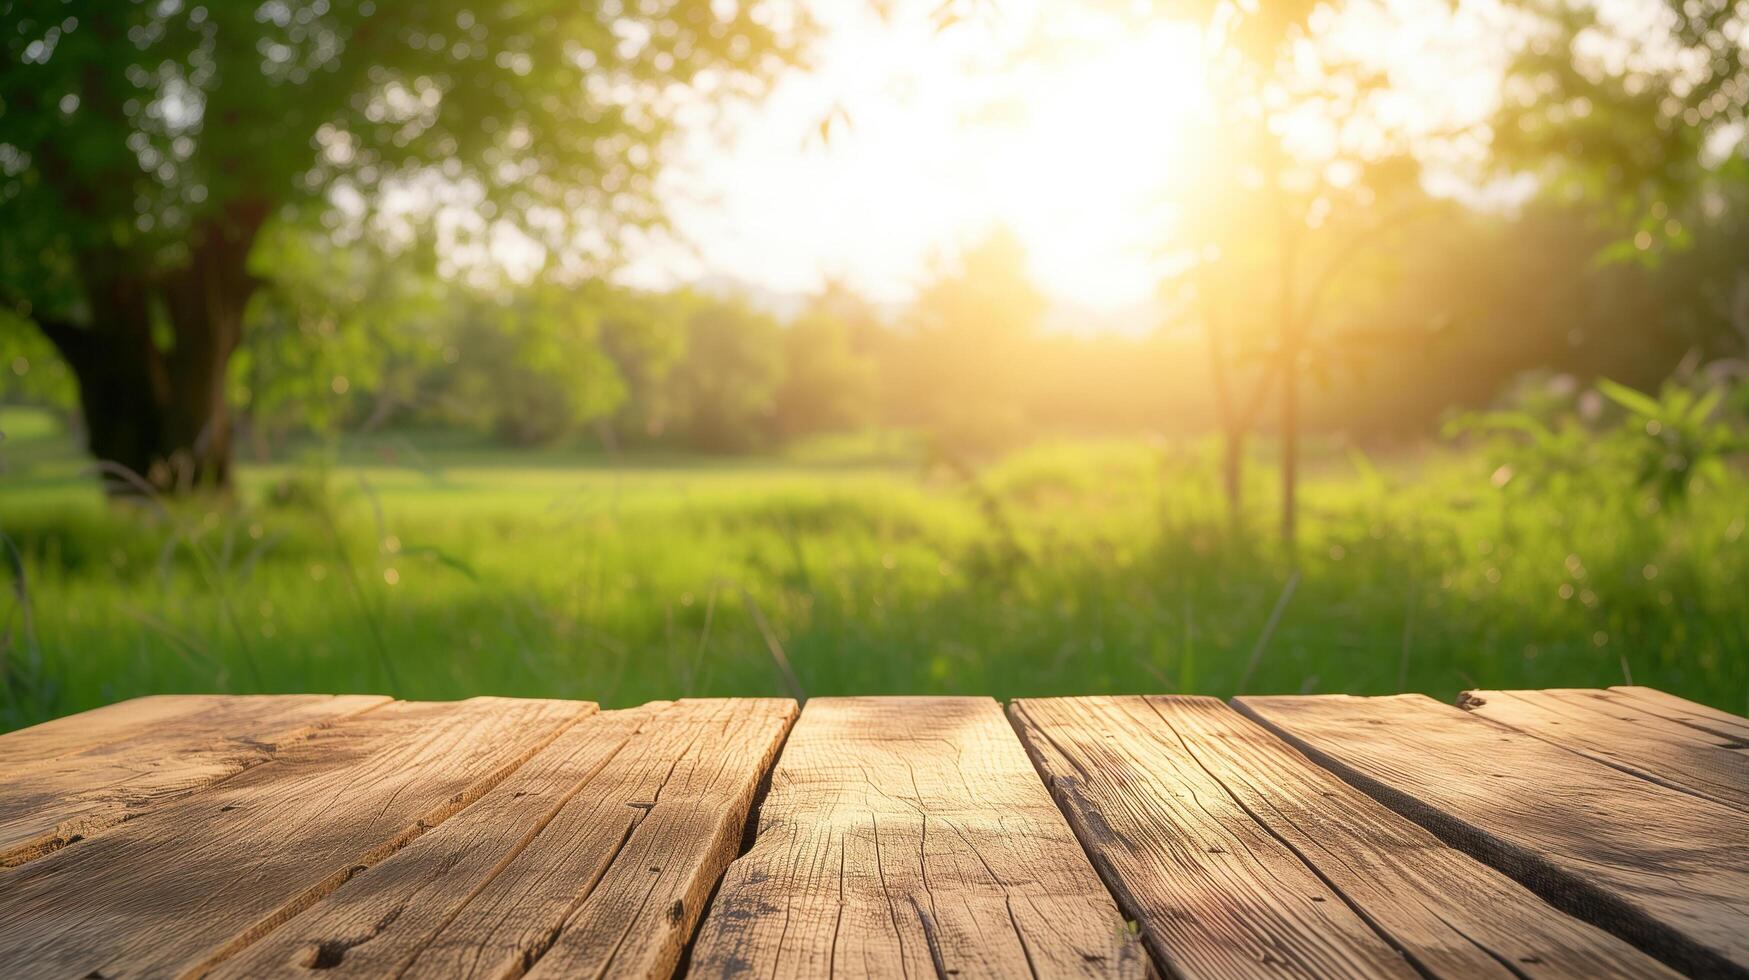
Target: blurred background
[[635, 349]]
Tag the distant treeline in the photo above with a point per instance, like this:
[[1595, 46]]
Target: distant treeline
[[1446, 317]]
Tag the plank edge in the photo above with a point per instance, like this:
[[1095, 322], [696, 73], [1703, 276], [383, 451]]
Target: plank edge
[[1571, 895]]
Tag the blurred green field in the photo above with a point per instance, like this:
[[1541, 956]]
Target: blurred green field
[[429, 568]]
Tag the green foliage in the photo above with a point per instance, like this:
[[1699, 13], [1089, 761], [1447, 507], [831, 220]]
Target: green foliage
[[828, 386], [531, 367], [125, 126], [1639, 137], [145, 148], [332, 325], [1676, 440], [31, 373], [645, 334], [722, 392], [1663, 448], [582, 576]]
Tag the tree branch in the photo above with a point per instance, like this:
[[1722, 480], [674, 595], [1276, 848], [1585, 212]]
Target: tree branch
[[1350, 250]]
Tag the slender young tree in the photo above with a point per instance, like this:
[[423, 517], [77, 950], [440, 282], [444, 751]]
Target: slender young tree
[[1263, 229]]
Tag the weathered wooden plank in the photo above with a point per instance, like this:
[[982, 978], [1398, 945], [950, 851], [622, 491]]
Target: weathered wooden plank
[[194, 881], [165, 718], [1687, 712], [562, 848], [1664, 869], [1215, 893], [1450, 914], [637, 918], [911, 837], [143, 754], [1615, 731], [99, 726]]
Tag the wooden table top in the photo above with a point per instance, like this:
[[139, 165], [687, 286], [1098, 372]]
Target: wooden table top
[[1575, 833]]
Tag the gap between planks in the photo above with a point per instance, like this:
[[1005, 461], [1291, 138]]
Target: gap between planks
[[619, 828], [1239, 856], [1664, 869], [911, 837]]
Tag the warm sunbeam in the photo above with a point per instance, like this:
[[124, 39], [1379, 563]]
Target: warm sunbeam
[[1062, 122], [937, 135]]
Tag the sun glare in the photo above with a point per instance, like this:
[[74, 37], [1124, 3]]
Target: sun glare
[[1078, 173], [1055, 120], [939, 137]]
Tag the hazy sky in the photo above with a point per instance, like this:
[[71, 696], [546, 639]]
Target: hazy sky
[[1043, 115]]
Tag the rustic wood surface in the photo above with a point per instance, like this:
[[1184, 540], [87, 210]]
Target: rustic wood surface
[[1615, 730], [129, 719], [68, 781], [910, 837], [1216, 894], [1664, 868], [194, 881], [621, 826], [1564, 833], [1691, 714], [1241, 855]]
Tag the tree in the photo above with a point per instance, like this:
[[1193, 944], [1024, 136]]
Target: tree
[[644, 333], [722, 392], [332, 325], [144, 147], [529, 363], [1266, 227], [828, 385], [1637, 109], [971, 327], [1639, 115]]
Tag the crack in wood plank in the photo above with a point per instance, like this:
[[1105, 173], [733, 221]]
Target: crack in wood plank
[[498, 889], [910, 837]]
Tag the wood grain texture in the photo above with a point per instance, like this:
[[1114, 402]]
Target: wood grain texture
[[1215, 893], [1664, 869], [911, 837], [1616, 731], [1687, 712], [194, 881], [99, 726], [1450, 914], [89, 772], [636, 919], [559, 853]]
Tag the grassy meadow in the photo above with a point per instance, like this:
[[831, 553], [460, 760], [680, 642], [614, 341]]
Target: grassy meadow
[[430, 568]]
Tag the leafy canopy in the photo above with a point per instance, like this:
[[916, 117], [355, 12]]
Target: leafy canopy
[[127, 124], [1634, 107]]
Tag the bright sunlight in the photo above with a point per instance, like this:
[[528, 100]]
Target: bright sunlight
[[1066, 123]]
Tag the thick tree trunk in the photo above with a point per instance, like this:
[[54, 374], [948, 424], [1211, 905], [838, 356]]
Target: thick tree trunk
[[155, 423], [156, 416]]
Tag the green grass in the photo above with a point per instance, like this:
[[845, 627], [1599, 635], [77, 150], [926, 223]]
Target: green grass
[[444, 569]]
